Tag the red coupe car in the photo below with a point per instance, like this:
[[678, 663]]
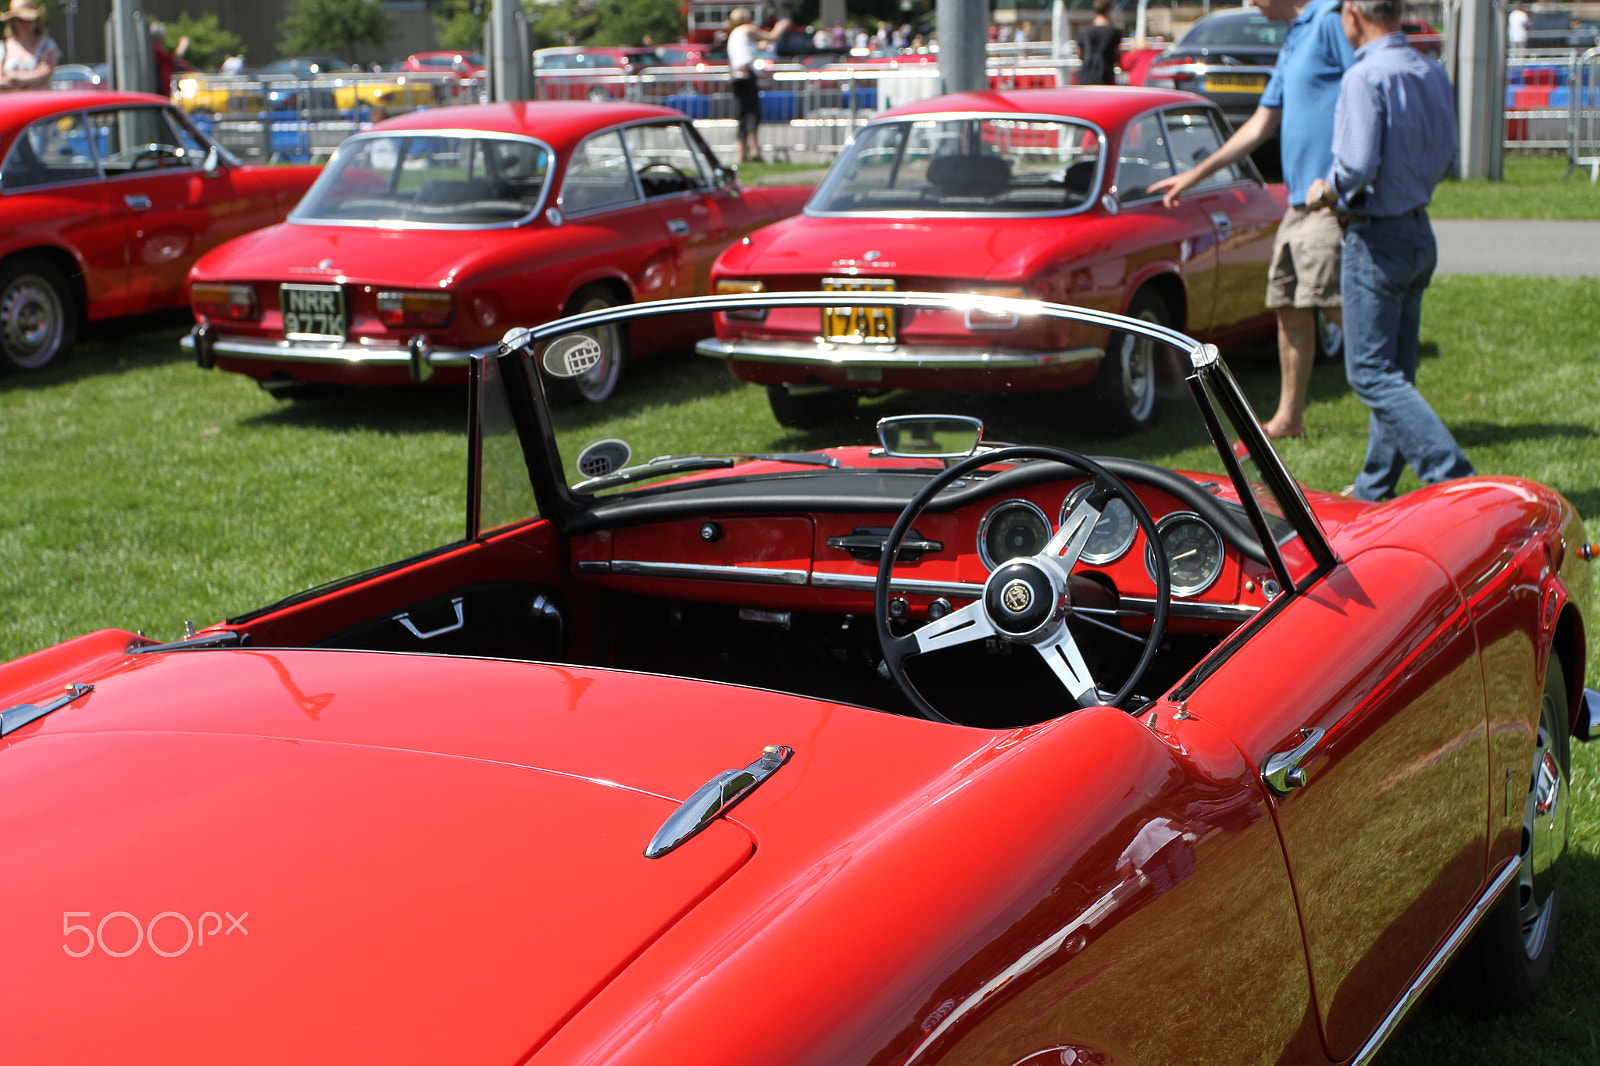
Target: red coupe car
[[106, 200], [913, 749], [430, 234], [1040, 193]]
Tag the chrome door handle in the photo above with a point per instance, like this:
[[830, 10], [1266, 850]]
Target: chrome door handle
[[137, 201], [404, 618], [1284, 773], [1223, 223], [677, 227]]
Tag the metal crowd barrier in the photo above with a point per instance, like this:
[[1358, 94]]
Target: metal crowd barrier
[[1583, 146], [807, 112], [1553, 104]]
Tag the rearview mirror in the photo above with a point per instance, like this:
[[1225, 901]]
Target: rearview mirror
[[930, 436]]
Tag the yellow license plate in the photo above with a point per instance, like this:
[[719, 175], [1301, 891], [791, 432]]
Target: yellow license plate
[[1236, 83], [858, 324]]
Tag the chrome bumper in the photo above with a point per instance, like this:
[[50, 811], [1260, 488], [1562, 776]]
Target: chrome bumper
[[418, 355], [890, 356]]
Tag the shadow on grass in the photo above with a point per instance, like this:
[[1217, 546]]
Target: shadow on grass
[[1487, 434], [113, 347], [384, 408]]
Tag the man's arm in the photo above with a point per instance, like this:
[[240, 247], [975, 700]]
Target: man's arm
[[1256, 131]]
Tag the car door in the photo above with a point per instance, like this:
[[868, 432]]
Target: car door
[[173, 208], [602, 190], [1369, 684], [1183, 234], [1243, 214]]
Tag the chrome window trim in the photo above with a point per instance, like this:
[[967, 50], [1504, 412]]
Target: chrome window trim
[[396, 224], [942, 116]]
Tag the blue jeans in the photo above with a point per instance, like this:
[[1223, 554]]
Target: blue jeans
[[1386, 266]]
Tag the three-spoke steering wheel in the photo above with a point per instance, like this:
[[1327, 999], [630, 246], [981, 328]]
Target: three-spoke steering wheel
[[1026, 600]]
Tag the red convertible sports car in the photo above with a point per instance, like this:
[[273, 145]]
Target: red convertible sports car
[[429, 235], [106, 200], [1040, 193], [919, 748]]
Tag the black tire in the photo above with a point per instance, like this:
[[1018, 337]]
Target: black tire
[[599, 384], [38, 314], [1330, 340], [810, 407], [1510, 957], [1126, 390]]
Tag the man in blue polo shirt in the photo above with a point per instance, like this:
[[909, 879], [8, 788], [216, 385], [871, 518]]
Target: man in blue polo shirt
[[1394, 139], [1298, 105]]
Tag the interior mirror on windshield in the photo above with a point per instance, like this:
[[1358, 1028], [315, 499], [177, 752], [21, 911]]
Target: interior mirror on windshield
[[930, 436]]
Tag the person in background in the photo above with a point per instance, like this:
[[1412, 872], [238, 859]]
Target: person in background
[[30, 55], [1394, 138], [167, 60], [745, 39], [1517, 26], [1099, 45], [1298, 105]]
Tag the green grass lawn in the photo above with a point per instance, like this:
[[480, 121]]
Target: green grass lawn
[[139, 491]]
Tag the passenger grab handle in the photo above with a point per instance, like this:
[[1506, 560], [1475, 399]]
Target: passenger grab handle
[[1284, 773]]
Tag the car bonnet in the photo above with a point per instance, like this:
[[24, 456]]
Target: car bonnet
[[314, 855]]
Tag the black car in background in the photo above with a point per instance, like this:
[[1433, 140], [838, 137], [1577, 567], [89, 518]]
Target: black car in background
[[1227, 56]]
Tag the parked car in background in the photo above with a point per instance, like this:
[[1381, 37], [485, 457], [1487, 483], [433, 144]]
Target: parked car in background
[[463, 65], [1041, 193], [590, 72], [432, 233], [80, 76], [1186, 763], [106, 200]]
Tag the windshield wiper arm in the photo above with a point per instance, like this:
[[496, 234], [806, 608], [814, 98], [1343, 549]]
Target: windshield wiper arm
[[677, 464]]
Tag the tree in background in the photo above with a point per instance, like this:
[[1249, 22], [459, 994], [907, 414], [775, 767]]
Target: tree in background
[[614, 22], [459, 23], [209, 43], [315, 27]]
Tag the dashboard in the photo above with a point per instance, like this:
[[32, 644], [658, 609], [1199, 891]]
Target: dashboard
[[796, 550]]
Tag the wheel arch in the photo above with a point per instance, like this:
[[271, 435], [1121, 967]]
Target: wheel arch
[[1570, 643], [610, 282], [63, 260], [1169, 288]]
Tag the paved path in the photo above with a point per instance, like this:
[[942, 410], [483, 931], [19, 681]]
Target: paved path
[[1553, 249]]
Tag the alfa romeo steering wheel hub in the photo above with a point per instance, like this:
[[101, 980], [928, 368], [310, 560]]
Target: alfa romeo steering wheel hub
[[1022, 598]]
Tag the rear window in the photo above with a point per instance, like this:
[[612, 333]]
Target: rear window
[[429, 179], [965, 165], [1254, 32]]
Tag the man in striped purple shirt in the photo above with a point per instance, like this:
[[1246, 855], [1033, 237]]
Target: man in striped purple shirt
[[1394, 138]]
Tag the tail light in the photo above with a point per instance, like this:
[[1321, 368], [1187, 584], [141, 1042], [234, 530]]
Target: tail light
[[741, 287], [1177, 70], [978, 318], [236, 303], [415, 309]]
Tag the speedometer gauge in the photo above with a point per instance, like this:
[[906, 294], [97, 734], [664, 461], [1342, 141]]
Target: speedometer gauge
[[1012, 530], [1194, 553], [1113, 533]]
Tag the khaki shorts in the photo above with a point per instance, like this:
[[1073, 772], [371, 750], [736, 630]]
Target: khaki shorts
[[1305, 260]]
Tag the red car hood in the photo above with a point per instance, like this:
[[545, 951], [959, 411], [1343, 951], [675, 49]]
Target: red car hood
[[242, 856], [360, 254], [997, 249]]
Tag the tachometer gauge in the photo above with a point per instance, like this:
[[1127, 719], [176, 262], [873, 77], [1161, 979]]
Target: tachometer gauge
[[1194, 553], [1113, 533], [1011, 530]]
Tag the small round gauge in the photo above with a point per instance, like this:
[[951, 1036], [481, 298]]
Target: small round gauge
[[1011, 530], [1113, 533], [1194, 553]]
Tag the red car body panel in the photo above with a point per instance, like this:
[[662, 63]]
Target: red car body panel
[[654, 248], [1211, 277], [133, 259]]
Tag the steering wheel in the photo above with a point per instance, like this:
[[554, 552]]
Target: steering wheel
[[157, 151], [1026, 600], [677, 176]]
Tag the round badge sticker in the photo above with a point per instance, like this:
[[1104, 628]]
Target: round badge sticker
[[574, 354]]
